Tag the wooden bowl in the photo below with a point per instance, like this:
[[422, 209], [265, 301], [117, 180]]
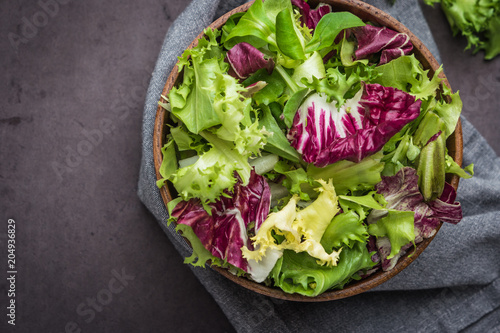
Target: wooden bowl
[[454, 145]]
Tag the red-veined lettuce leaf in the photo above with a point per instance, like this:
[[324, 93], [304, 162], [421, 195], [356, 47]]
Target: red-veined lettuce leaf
[[232, 219], [310, 17], [401, 193], [325, 134], [246, 60], [389, 43]]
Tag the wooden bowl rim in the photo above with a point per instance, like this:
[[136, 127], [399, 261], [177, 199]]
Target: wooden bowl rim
[[454, 143]]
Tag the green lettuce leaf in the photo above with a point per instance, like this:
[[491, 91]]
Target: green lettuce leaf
[[187, 141], [312, 67], [349, 176], [295, 179], [401, 152], [277, 143], [255, 23], [289, 39], [299, 273], [191, 102], [347, 53], [370, 200], [406, 73], [329, 26], [491, 45], [430, 125], [362, 205], [398, 226], [344, 230], [234, 113], [213, 172], [449, 113], [292, 105], [169, 164], [342, 84], [274, 88], [452, 167], [200, 256], [229, 104]]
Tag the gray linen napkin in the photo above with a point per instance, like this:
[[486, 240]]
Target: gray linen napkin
[[453, 286]]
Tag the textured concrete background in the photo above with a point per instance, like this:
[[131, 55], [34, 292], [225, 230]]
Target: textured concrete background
[[89, 256]]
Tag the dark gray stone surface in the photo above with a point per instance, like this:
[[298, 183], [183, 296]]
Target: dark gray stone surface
[[477, 80], [70, 123], [88, 254]]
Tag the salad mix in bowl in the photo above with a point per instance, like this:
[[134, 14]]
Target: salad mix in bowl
[[306, 148]]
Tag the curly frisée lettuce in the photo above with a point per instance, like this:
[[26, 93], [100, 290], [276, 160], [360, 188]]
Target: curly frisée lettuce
[[302, 230], [476, 20], [306, 148], [212, 173]]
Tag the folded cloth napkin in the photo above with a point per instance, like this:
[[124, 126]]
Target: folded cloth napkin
[[453, 285]]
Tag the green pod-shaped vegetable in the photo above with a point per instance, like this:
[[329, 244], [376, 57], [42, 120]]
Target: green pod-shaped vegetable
[[431, 167]]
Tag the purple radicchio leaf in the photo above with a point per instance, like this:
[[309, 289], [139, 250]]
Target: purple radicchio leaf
[[310, 18], [246, 60], [434, 137], [401, 193], [325, 134], [391, 44], [232, 218], [384, 249], [446, 208], [371, 245]]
